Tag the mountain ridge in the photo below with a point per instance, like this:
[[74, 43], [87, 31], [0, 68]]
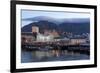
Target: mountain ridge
[[77, 27], [56, 20]]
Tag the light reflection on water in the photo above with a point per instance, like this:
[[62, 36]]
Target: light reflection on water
[[51, 55]]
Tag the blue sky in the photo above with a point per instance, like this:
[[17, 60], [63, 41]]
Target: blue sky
[[60, 15]]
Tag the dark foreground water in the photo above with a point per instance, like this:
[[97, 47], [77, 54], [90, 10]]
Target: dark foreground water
[[51, 55]]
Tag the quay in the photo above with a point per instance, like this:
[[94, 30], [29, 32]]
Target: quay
[[84, 49]]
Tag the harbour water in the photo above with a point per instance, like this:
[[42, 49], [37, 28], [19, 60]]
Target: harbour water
[[51, 55]]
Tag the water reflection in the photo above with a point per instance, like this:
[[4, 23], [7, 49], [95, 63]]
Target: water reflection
[[51, 55]]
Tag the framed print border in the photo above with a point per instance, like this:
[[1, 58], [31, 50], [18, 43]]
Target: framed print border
[[13, 35]]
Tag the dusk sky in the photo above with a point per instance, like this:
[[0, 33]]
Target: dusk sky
[[59, 15]]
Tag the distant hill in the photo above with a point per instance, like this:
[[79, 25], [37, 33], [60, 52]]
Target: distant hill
[[56, 20], [43, 25], [76, 26]]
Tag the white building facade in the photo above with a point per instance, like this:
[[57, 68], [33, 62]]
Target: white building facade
[[44, 38]]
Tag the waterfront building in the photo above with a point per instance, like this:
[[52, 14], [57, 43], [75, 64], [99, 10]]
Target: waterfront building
[[27, 37], [77, 40], [54, 33], [44, 38]]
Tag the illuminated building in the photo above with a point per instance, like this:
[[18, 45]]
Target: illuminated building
[[77, 40], [54, 33], [44, 38]]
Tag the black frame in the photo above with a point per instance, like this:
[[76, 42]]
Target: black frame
[[13, 36]]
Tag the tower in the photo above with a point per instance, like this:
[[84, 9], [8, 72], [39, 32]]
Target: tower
[[35, 31]]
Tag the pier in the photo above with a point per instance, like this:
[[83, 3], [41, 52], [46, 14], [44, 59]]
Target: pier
[[85, 49]]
